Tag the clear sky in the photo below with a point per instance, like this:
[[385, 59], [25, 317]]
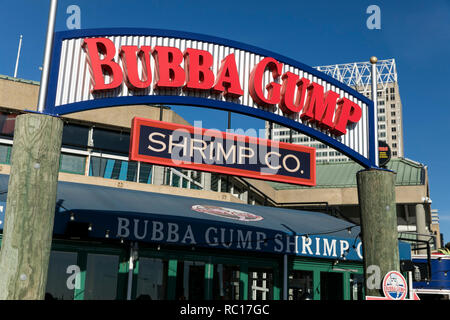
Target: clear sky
[[416, 33]]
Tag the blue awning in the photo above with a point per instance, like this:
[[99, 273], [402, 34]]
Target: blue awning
[[163, 218]]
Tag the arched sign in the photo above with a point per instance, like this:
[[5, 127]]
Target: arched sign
[[110, 67]]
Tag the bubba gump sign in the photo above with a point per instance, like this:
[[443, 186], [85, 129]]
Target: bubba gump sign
[[192, 69]]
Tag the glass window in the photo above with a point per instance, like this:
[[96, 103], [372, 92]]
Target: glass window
[[226, 282], [152, 279], [260, 284], [72, 163], [356, 286], [331, 286], [101, 277], [75, 136], [215, 182], [301, 285], [7, 123], [113, 169], [145, 173], [393, 121], [5, 154], [63, 276], [190, 280], [112, 141], [176, 179], [394, 137]]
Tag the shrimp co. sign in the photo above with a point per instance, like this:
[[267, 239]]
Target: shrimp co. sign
[[109, 67]]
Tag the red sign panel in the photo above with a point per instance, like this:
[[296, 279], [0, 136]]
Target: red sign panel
[[201, 149]]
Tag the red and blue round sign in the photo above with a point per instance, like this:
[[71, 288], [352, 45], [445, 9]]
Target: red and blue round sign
[[395, 286]]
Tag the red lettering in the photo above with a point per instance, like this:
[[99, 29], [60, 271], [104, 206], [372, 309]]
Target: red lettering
[[94, 47], [291, 103], [197, 64], [228, 78], [273, 88], [347, 111], [130, 56], [319, 107], [168, 72]]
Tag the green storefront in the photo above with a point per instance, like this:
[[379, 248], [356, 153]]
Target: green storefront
[[111, 243], [176, 274]]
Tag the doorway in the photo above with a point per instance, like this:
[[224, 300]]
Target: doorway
[[331, 286]]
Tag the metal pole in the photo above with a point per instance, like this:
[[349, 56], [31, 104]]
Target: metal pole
[[373, 61], [18, 56], [410, 285], [130, 270], [285, 277], [47, 56]]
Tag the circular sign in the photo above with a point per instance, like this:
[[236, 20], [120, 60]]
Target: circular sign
[[384, 153], [395, 286], [227, 213]]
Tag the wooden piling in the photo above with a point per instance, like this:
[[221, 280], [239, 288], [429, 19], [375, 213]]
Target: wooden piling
[[30, 207]]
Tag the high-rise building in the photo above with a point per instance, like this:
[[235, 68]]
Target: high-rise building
[[358, 76]]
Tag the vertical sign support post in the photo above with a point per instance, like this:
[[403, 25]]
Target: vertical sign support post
[[376, 193], [30, 206]]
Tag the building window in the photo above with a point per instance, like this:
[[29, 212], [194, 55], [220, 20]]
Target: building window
[[71, 163], [226, 282], [301, 285], [394, 145], [190, 280], [145, 173], [113, 169], [393, 121], [382, 134], [393, 113], [7, 123], [111, 141], [381, 118], [260, 284], [5, 154], [394, 153], [101, 277], [392, 90], [392, 96], [57, 284], [75, 136], [152, 279], [381, 103], [394, 129], [394, 137], [392, 105], [382, 110]]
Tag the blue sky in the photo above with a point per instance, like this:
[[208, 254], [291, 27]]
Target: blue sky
[[321, 32]]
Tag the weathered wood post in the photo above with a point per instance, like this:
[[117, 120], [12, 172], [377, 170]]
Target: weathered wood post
[[376, 193], [30, 207]]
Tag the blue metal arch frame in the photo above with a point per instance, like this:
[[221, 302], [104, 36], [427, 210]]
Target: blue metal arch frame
[[203, 102]]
